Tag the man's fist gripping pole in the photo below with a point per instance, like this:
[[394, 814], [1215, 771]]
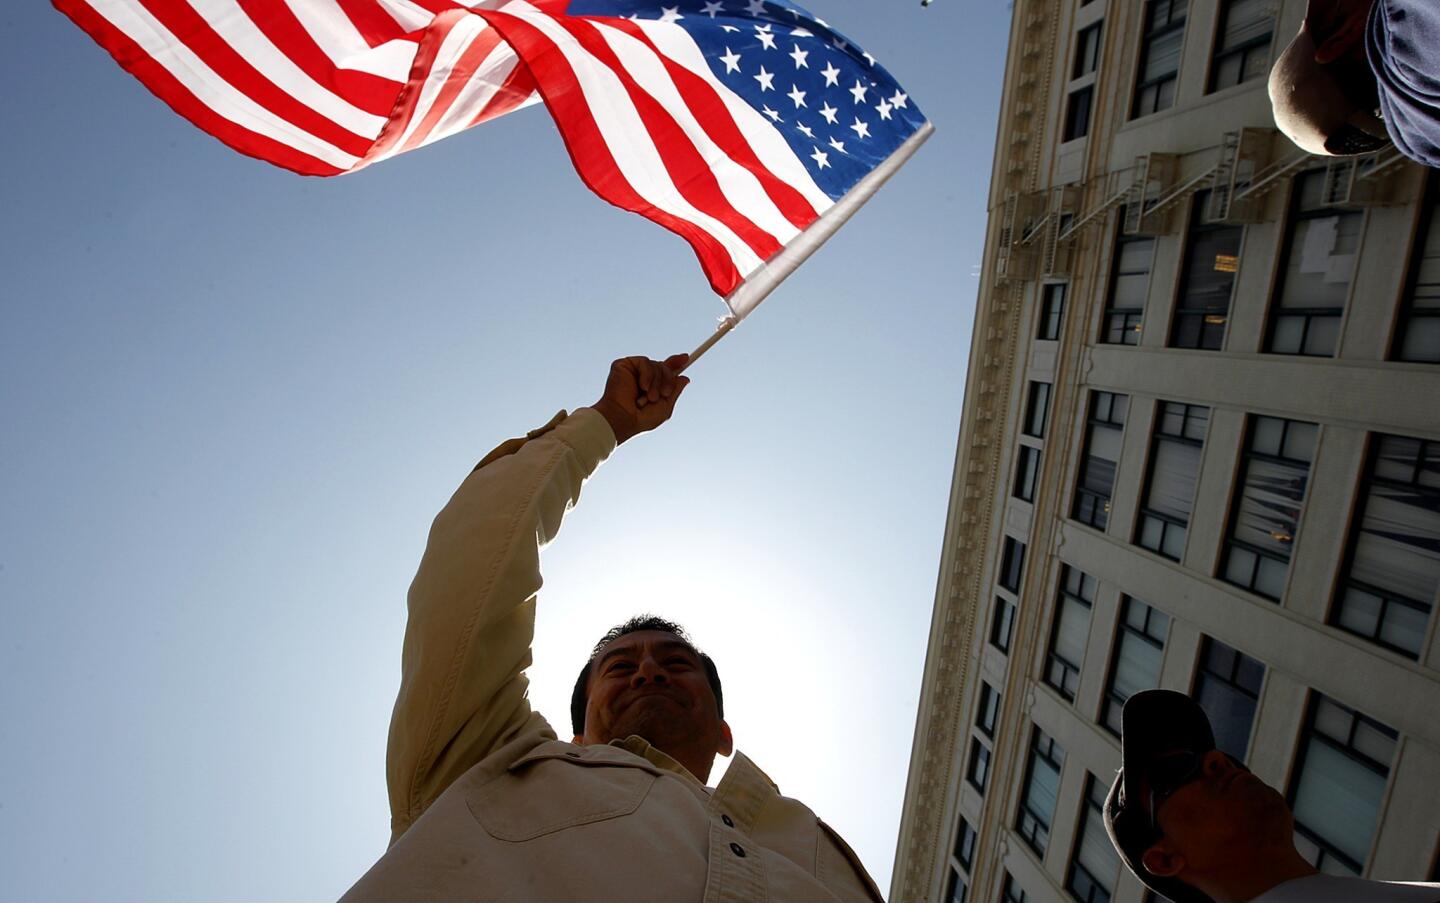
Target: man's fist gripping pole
[[640, 394]]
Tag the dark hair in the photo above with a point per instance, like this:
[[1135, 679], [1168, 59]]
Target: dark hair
[[639, 622]]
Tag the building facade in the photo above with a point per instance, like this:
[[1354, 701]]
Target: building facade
[[1200, 449]]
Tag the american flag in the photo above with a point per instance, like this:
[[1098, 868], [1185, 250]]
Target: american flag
[[750, 128]]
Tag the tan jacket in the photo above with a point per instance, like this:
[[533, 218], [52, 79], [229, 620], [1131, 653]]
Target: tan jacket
[[486, 804]]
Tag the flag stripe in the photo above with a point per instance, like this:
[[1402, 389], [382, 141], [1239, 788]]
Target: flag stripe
[[347, 48], [708, 107], [372, 21], [687, 169], [371, 93], [192, 99], [518, 90], [467, 67], [187, 29], [233, 27], [775, 155], [745, 185], [408, 103], [592, 156]]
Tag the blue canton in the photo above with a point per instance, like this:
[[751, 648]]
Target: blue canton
[[839, 110]]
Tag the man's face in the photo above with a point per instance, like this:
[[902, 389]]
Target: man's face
[[651, 684], [1215, 819]]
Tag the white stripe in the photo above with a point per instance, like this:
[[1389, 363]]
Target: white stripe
[[466, 30], [624, 133], [236, 28], [346, 47], [739, 185], [212, 90], [479, 91], [767, 142], [410, 16]]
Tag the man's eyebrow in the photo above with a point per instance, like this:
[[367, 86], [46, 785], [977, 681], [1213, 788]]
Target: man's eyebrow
[[663, 646]]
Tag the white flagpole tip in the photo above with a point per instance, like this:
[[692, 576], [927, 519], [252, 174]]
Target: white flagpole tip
[[727, 323]]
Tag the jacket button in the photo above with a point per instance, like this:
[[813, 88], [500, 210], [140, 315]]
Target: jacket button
[[737, 850], [729, 822]]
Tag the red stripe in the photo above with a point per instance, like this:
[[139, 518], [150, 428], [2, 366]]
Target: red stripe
[[588, 151], [518, 87], [710, 111], [196, 34], [375, 25], [687, 168], [430, 42], [460, 75], [372, 93], [133, 58]]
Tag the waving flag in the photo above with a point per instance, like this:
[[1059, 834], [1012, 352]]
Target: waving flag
[[750, 128]]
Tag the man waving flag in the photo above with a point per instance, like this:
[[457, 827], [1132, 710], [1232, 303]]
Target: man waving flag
[[750, 128]]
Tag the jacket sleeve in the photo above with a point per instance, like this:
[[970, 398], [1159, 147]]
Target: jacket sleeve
[[472, 610]]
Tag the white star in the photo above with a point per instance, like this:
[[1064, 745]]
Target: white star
[[861, 129], [801, 32], [868, 58], [858, 92], [899, 99], [712, 8], [771, 113], [884, 109], [838, 145], [832, 75], [765, 79], [756, 7], [823, 23], [670, 14], [839, 43], [805, 129], [821, 158], [797, 95], [767, 40], [731, 59], [729, 28], [828, 112], [798, 56]]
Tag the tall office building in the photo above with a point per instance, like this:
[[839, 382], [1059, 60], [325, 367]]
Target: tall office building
[[1200, 449]]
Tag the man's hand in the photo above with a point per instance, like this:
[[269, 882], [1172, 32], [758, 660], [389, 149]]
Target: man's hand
[[640, 394]]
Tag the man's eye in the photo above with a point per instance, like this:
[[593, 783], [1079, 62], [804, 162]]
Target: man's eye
[[618, 666], [678, 661]]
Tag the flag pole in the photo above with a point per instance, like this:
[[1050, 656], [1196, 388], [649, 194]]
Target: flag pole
[[727, 323]]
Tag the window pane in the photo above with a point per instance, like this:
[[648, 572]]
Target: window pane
[[1228, 689], [1418, 336], [1339, 799]]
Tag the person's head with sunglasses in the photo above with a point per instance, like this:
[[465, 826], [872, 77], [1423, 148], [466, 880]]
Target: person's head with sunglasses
[[1191, 822]]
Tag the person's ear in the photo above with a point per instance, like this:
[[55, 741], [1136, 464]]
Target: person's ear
[[1350, 32], [1162, 860], [727, 740]]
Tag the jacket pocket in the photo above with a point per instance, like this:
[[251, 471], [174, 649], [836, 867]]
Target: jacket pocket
[[550, 792]]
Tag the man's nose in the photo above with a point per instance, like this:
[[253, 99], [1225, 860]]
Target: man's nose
[[1217, 764], [649, 671]]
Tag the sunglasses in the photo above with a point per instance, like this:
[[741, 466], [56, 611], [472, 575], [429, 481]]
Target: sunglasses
[[1168, 774]]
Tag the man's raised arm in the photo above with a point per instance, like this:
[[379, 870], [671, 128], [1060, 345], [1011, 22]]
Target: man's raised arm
[[472, 603]]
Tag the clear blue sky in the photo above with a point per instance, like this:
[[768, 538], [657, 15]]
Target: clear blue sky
[[232, 399]]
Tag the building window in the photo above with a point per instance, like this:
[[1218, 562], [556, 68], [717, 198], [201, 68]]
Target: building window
[[1266, 511], [1418, 336], [958, 890], [1094, 865], [1087, 51], [1339, 783], [1212, 259], [1227, 686], [1129, 281], [1077, 113], [1242, 50], [1052, 311], [989, 710], [1002, 624], [977, 772], [1319, 263], [965, 844], [1135, 664], [1027, 473], [1170, 484], [1037, 409], [1011, 892], [1393, 569], [1104, 434], [1042, 784], [1012, 564], [1159, 57], [1071, 631]]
